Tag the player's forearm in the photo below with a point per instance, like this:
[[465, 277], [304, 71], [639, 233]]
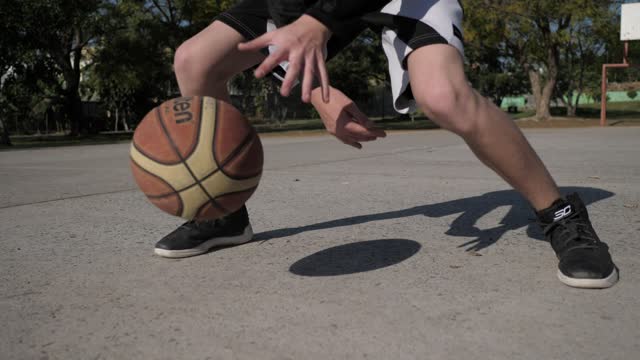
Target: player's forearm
[[316, 96]]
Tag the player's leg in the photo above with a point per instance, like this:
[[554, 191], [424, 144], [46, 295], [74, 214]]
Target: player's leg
[[204, 65], [423, 43], [441, 90]]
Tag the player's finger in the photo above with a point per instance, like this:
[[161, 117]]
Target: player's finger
[[362, 119], [258, 43], [377, 132], [324, 76], [307, 79], [349, 140], [352, 142], [355, 129], [362, 138], [269, 63], [292, 75], [358, 136], [371, 127]]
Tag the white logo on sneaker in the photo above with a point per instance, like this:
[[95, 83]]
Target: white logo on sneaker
[[561, 214]]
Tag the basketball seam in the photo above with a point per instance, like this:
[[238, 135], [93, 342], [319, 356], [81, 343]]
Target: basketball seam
[[198, 128], [175, 148], [157, 177], [245, 142], [215, 204], [232, 178], [151, 157], [196, 141], [243, 146], [180, 205], [221, 195], [238, 192], [216, 170], [199, 210]]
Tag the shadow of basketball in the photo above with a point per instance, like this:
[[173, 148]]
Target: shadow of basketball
[[356, 257]]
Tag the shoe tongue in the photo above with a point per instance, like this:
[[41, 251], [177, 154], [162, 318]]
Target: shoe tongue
[[559, 210]]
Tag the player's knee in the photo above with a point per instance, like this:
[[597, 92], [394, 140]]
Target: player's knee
[[189, 64], [449, 106], [183, 59]]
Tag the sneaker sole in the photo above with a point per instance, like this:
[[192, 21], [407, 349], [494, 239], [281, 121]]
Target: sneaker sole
[[590, 283], [246, 236]]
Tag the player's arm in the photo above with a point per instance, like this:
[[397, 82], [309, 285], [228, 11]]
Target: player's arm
[[343, 119]]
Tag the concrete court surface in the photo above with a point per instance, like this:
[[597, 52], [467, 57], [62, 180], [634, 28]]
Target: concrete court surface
[[408, 249]]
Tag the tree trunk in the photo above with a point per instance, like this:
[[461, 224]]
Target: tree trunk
[[116, 122], [541, 106], [126, 126], [542, 87], [4, 134], [580, 87], [571, 109], [73, 109], [73, 103]]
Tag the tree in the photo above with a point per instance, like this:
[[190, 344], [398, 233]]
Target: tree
[[532, 34], [53, 36], [181, 19], [493, 76], [133, 62], [360, 67], [581, 57]]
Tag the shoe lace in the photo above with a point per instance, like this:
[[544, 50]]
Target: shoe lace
[[572, 232]]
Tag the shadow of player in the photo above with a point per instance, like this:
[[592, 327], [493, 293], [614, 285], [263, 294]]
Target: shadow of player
[[471, 209]]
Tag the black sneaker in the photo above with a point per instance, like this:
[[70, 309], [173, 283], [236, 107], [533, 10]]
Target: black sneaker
[[585, 261], [195, 238]]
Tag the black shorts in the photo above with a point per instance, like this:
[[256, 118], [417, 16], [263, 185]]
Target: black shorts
[[404, 25]]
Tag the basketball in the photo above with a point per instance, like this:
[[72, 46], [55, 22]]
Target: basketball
[[196, 157]]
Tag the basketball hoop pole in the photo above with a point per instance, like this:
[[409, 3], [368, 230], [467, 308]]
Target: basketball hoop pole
[[603, 99], [629, 31], [625, 56]]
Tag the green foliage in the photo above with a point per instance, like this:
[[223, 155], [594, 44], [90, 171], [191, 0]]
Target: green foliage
[[493, 76], [540, 38], [632, 94], [360, 67], [53, 54], [47, 40]]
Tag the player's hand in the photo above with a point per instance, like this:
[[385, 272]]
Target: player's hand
[[344, 120], [302, 43]]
